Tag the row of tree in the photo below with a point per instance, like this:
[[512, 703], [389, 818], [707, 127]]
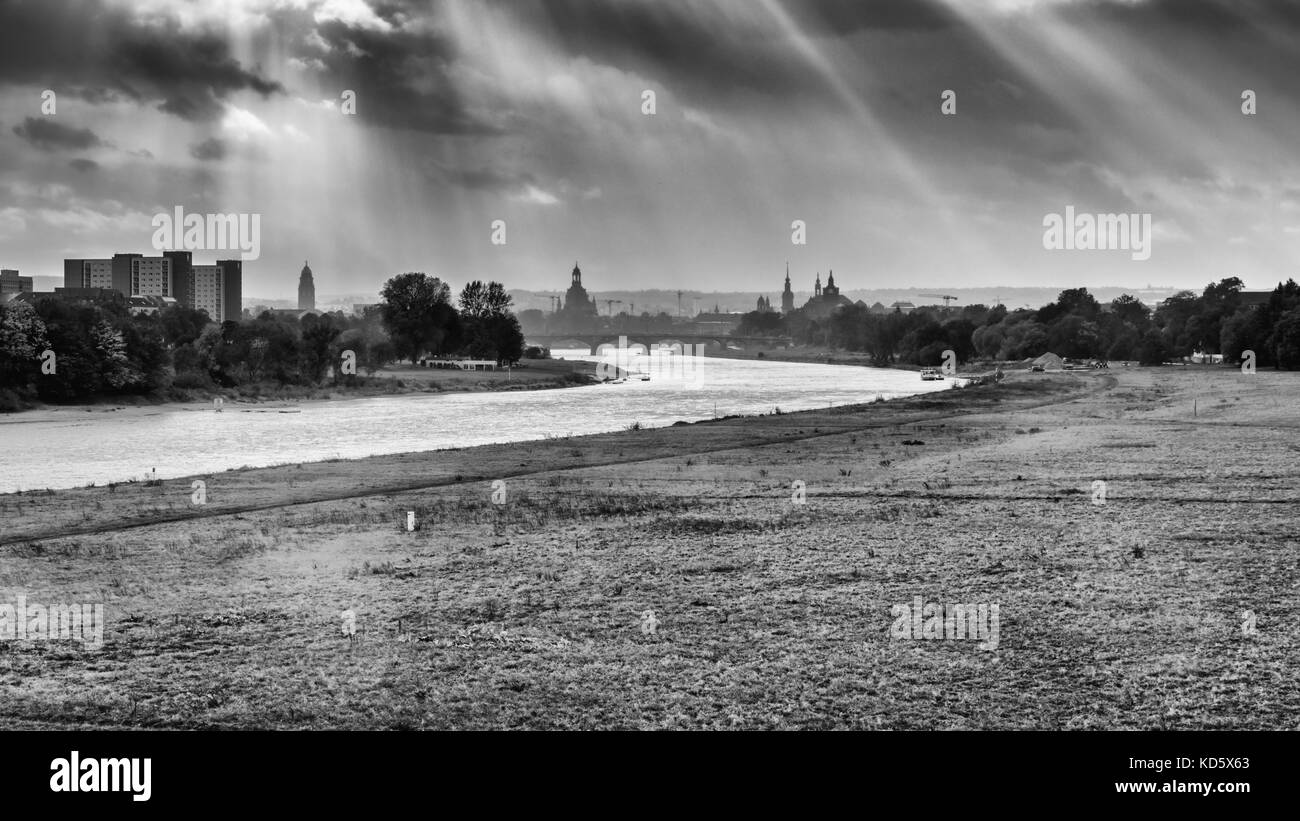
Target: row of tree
[[59, 351], [1218, 321]]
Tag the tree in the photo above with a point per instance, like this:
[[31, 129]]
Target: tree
[[181, 325], [22, 339], [146, 352], [761, 323], [318, 334], [77, 372], [1152, 350], [1075, 337], [115, 367], [478, 301], [1130, 309], [1286, 340], [1172, 317], [1071, 301], [506, 337], [960, 332], [490, 330], [1025, 338], [418, 315], [1244, 331], [988, 340]]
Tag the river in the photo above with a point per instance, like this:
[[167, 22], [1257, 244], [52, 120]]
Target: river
[[105, 447]]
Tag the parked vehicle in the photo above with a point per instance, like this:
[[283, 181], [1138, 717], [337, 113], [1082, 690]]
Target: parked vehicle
[[931, 375]]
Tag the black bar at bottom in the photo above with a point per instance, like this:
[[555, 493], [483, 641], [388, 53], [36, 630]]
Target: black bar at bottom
[[337, 770]]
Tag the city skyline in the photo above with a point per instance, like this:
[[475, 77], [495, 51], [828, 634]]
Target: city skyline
[[764, 113]]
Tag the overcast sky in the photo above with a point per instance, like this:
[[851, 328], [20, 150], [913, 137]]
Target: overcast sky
[[768, 111]]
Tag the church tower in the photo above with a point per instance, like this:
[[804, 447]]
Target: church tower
[[831, 290], [576, 300], [306, 289], [787, 296], [817, 287]]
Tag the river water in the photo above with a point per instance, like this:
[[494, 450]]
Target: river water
[[105, 447]]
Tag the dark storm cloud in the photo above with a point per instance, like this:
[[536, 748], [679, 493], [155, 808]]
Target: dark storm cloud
[[1211, 16], [483, 179], [96, 53], [848, 16], [402, 78], [192, 71], [209, 149], [96, 95], [50, 135], [893, 55], [682, 43], [83, 165]]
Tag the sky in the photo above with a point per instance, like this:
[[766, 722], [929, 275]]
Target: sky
[[533, 112]]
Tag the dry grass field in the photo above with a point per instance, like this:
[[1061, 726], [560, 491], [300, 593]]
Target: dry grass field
[[1173, 604]]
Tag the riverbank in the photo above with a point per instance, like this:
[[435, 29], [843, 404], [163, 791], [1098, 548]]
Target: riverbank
[[772, 602], [395, 380], [807, 354]]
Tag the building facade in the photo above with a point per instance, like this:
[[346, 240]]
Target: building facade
[[825, 301], [217, 289], [306, 289], [151, 276], [576, 301], [88, 273], [11, 284]]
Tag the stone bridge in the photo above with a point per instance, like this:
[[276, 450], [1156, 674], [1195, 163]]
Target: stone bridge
[[648, 340]]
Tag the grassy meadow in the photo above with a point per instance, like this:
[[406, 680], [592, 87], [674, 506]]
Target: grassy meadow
[[1172, 602]]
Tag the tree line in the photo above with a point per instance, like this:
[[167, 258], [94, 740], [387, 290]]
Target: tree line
[[101, 348], [1075, 325]]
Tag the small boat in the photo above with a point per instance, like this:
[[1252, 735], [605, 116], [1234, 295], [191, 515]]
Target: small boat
[[931, 375]]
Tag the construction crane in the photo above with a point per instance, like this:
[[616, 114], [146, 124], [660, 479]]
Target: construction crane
[[945, 297], [609, 304]]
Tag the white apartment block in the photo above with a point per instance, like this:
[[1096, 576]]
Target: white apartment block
[[151, 276], [207, 292], [96, 273]]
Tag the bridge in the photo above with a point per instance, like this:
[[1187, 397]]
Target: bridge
[[647, 341]]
